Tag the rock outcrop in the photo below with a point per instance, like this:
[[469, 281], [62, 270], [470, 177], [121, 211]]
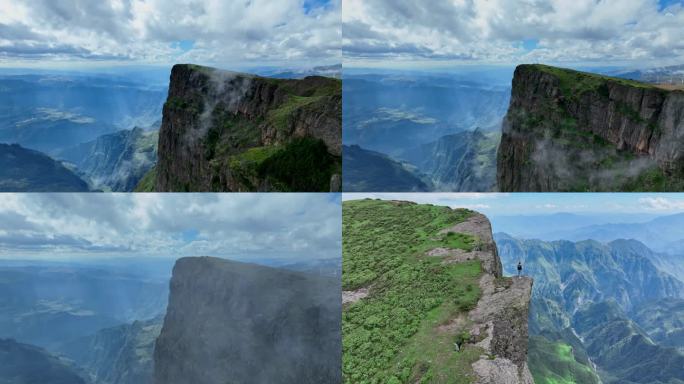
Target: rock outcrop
[[226, 131], [573, 131], [230, 322], [500, 319]]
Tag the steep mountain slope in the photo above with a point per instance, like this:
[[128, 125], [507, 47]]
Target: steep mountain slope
[[25, 170], [573, 131], [465, 161], [624, 353], [225, 131], [117, 355], [424, 298], [663, 321], [369, 171], [26, 364], [117, 161], [586, 296], [242, 323]]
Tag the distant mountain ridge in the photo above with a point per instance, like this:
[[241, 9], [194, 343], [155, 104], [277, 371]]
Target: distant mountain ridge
[[27, 364], [26, 170], [370, 171]]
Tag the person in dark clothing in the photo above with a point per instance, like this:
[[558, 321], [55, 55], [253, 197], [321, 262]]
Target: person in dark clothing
[[519, 268]]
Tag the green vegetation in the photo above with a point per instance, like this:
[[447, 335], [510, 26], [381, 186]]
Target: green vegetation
[[394, 334], [575, 83], [245, 166], [148, 182], [180, 104], [281, 116], [555, 363], [304, 164]]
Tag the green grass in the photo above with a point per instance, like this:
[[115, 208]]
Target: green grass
[[574, 83], [554, 362], [148, 182], [391, 336]]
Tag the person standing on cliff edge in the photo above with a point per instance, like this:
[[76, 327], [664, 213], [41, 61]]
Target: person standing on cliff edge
[[519, 268]]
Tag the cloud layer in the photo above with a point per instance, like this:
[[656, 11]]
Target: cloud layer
[[167, 31], [239, 226], [504, 31]]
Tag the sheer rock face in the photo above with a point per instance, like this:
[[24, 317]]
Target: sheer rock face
[[230, 322], [500, 319], [565, 128], [211, 115]]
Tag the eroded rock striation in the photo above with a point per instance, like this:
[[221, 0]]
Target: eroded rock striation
[[574, 131], [230, 322], [227, 131]]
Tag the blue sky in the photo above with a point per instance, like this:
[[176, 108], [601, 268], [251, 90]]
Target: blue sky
[[629, 33], [236, 226], [545, 203], [287, 33]]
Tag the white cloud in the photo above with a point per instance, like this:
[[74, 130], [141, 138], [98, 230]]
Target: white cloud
[[494, 31], [231, 225], [258, 32], [662, 203]]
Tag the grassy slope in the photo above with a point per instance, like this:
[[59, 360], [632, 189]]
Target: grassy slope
[[554, 363], [391, 336], [148, 182]]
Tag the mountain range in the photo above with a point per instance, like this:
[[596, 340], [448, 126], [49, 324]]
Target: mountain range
[[600, 310], [439, 128]]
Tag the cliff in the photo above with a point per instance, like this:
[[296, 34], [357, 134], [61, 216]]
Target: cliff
[[26, 170], [230, 322], [425, 284], [573, 131], [460, 162], [117, 355], [226, 131], [117, 161]]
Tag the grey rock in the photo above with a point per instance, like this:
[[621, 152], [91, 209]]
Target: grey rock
[[230, 322]]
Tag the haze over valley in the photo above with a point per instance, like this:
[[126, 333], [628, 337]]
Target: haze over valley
[[106, 304]]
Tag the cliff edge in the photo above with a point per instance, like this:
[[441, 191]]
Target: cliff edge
[[573, 131], [227, 131], [424, 298], [230, 322]]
